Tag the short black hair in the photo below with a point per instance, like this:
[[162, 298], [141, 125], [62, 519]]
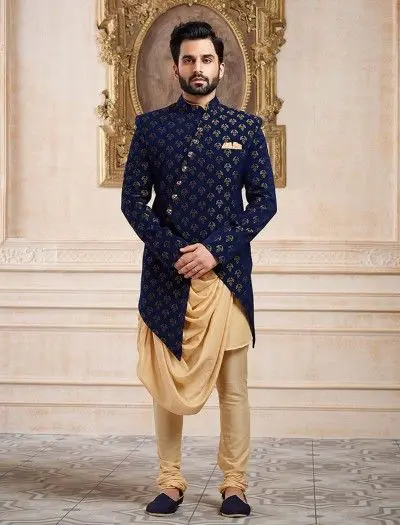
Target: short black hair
[[194, 30]]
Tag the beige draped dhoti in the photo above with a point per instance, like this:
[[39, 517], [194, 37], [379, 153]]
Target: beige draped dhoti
[[215, 322]]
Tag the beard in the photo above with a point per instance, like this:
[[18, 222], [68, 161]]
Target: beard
[[203, 90]]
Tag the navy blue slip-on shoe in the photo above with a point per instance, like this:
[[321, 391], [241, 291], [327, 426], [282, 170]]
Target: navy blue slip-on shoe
[[234, 507], [163, 504]]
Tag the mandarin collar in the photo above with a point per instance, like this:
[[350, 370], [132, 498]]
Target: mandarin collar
[[186, 106]]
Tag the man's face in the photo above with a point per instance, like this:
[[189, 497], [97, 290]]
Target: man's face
[[198, 70]]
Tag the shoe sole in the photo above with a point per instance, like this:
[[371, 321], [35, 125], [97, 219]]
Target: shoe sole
[[234, 515], [160, 514]]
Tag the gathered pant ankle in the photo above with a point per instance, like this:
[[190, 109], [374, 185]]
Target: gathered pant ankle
[[234, 444]]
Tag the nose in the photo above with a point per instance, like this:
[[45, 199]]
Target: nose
[[197, 66]]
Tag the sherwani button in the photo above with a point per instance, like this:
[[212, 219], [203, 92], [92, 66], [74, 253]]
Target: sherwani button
[[179, 182], [184, 168], [174, 196], [190, 154], [169, 211]]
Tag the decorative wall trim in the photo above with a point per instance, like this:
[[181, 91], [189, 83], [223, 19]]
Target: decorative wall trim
[[116, 299], [254, 385], [268, 256], [146, 406], [317, 423], [23, 326]]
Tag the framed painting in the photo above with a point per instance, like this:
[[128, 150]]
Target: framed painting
[[133, 38]]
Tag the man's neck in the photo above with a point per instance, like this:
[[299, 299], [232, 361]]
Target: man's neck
[[198, 100]]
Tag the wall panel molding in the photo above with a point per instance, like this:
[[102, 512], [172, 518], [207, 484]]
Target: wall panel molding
[[316, 301], [139, 406], [254, 385], [268, 256], [130, 329], [265, 422]]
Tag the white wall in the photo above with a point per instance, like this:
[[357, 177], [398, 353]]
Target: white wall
[[327, 290]]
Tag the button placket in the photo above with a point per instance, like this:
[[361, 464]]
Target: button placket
[[191, 155]]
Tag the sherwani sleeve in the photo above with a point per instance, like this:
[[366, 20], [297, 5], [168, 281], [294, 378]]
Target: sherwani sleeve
[[136, 193], [226, 242]]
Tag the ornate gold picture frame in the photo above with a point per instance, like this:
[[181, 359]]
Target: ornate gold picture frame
[[133, 38]]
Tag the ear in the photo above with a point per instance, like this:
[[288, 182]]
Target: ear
[[176, 71], [221, 70]]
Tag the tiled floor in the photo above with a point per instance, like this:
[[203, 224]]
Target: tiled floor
[[66, 479]]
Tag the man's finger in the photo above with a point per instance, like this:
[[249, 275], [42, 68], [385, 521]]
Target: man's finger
[[188, 257], [199, 274], [183, 260], [187, 268], [189, 248], [192, 273]]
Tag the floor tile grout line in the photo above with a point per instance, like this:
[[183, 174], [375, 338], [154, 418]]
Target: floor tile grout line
[[313, 477], [39, 452], [18, 464], [202, 494], [21, 463], [101, 481]]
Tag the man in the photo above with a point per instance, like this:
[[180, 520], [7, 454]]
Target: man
[[196, 313]]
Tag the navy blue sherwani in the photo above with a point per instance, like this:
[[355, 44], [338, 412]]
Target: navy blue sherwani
[[198, 161]]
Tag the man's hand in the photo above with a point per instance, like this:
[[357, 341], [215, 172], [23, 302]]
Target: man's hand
[[195, 261]]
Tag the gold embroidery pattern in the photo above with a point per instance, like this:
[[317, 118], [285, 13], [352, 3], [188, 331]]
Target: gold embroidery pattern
[[198, 186]]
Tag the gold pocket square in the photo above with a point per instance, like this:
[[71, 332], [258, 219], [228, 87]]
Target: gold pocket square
[[231, 145]]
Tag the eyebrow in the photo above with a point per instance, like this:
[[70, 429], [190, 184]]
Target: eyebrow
[[203, 56]]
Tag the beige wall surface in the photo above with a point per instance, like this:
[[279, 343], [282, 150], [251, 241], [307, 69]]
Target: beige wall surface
[[326, 270], [337, 76]]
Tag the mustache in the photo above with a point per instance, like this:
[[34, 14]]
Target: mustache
[[198, 77]]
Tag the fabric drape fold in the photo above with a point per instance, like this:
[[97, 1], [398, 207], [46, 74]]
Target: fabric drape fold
[[214, 323]]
